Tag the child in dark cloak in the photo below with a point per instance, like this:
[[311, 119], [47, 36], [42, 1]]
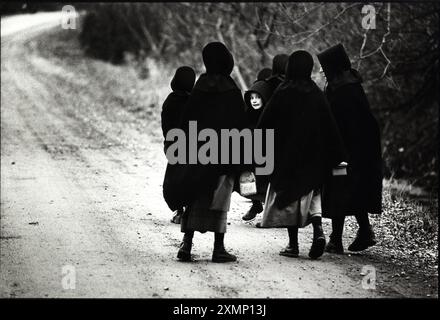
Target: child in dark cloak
[[307, 147], [256, 99], [171, 116]]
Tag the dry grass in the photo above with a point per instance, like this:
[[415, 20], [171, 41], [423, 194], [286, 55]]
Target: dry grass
[[407, 231]]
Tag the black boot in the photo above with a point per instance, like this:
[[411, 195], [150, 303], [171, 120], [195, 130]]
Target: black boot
[[318, 244], [256, 208], [184, 253], [220, 254], [335, 244], [292, 249], [363, 240], [365, 236]]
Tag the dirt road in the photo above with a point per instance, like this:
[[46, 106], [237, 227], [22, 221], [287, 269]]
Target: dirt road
[[81, 196]]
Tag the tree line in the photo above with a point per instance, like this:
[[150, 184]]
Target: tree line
[[398, 59]]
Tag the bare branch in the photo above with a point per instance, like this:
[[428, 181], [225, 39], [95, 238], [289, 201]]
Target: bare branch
[[236, 70], [145, 31], [133, 31], [384, 40], [312, 33]]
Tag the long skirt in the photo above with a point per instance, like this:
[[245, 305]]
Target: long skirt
[[299, 213], [209, 212]]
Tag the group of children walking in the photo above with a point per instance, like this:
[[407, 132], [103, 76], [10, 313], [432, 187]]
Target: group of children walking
[[327, 156]]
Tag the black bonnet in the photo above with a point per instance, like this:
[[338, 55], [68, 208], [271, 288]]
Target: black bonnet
[[262, 88], [183, 79], [264, 74], [334, 60], [299, 66], [279, 64], [217, 59]]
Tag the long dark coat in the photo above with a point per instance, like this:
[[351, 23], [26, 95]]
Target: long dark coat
[[171, 117], [360, 133], [172, 112], [216, 103], [307, 142]]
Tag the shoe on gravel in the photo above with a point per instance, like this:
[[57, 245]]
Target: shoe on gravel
[[184, 253], [362, 241], [317, 248], [292, 252], [223, 256], [334, 247], [253, 211]]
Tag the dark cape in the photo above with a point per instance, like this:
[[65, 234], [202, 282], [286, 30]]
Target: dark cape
[[361, 135], [171, 117], [172, 112], [362, 189], [215, 103], [307, 141]]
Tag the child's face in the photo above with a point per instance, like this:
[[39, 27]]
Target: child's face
[[256, 101]]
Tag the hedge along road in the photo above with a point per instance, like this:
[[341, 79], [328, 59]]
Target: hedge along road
[[82, 213]]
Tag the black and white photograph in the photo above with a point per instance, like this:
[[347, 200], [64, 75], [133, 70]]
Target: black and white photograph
[[235, 150]]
